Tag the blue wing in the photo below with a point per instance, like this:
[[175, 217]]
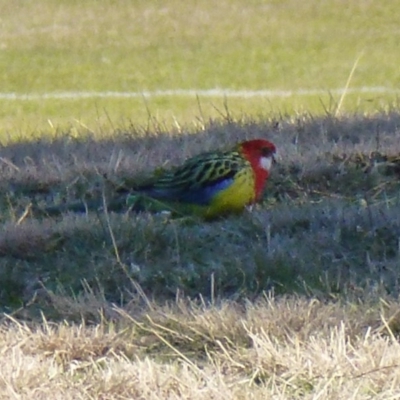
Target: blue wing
[[205, 194]]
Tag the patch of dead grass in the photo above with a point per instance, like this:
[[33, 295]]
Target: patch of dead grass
[[274, 348]]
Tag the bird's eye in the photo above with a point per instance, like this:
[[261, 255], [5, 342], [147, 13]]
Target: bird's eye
[[266, 152]]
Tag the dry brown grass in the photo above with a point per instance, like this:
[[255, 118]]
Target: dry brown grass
[[283, 348]]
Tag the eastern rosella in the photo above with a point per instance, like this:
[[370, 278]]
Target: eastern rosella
[[215, 183], [208, 185]]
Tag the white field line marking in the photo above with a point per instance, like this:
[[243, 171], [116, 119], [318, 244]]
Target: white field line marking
[[194, 93]]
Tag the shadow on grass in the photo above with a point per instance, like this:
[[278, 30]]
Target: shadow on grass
[[329, 224]]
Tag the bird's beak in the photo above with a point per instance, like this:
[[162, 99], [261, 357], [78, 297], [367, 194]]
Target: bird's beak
[[274, 158]]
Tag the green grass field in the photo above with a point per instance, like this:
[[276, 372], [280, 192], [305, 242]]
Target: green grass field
[[295, 299], [68, 46]]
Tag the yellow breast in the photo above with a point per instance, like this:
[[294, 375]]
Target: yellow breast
[[235, 197]]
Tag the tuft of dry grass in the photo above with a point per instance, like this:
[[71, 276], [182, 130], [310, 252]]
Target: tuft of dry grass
[[283, 348]]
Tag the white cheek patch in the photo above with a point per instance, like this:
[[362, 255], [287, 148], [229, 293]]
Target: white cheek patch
[[266, 163]]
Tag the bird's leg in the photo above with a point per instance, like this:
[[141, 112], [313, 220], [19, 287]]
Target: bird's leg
[[250, 207]]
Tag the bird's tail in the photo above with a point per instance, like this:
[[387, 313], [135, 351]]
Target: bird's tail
[[83, 206], [135, 202]]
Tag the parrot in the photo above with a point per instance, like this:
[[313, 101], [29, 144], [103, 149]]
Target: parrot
[[209, 185], [216, 183]]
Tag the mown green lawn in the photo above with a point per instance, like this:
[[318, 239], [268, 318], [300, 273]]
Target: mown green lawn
[[69, 46]]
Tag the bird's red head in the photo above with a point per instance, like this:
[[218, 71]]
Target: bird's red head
[[261, 155]]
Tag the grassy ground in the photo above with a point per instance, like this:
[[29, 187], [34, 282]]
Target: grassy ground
[[296, 299], [136, 46], [326, 235]]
